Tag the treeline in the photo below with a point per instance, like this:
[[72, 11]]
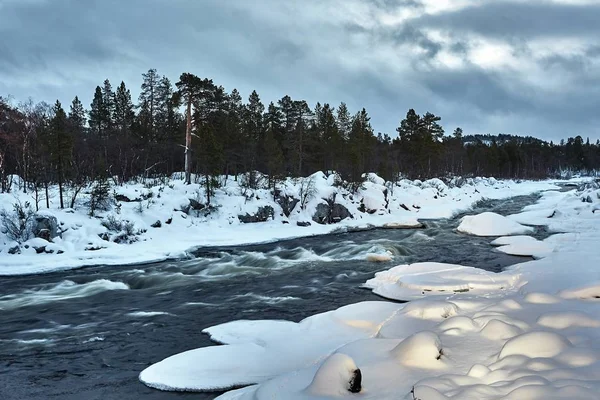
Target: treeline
[[197, 126]]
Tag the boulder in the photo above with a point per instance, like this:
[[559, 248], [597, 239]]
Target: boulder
[[45, 227], [303, 224], [14, 250], [330, 212], [263, 214], [157, 224], [287, 204], [321, 215], [339, 212]]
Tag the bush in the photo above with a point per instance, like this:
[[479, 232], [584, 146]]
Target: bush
[[18, 224], [308, 190], [123, 231], [100, 197]]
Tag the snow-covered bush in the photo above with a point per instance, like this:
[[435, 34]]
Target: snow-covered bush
[[18, 223], [100, 197], [120, 231]]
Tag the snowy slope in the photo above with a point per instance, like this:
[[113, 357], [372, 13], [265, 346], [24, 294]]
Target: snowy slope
[[376, 204]]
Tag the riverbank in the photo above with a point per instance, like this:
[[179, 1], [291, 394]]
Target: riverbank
[[528, 332], [156, 221]]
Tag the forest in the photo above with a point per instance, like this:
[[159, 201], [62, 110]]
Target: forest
[[118, 139]]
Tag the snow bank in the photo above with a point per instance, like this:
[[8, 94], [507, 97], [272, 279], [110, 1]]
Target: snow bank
[[491, 224], [168, 218], [256, 351], [410, 282], [523, 246]]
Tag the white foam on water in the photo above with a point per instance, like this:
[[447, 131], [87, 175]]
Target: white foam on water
[[64, 290]]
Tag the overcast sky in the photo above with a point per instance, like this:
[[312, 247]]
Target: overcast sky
[[489, 66]]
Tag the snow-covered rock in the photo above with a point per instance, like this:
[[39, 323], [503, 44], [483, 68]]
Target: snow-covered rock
[[491, 224], [336, 377], [415, 281]]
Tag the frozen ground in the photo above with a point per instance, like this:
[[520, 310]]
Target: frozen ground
[[376, 204], [530, 332]]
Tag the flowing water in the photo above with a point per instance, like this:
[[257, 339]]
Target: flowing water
[[86, 334]]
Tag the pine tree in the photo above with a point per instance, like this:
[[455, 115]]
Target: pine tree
[[77, 117], [96, 113], [124, 114], [61, 146], [148, 103], [344, 121], [271, 147], [188, 88], [234, 141], [108, 107], [254, 132], [165, 114]]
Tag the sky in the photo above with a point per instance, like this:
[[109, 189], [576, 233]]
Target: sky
[[528, 67]]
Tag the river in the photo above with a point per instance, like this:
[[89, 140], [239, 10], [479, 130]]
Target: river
[[87, 333]]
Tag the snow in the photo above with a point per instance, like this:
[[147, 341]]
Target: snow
[[491, 224], [254, 351], [402, 205], [523, 246], [410, 282], [334, 377], [530, 332]]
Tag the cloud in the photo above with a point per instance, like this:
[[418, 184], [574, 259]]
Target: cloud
[[494, 66]]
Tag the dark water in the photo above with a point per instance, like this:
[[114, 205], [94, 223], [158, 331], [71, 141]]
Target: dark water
[[67, 336]]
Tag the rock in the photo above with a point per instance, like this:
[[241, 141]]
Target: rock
[[46, 227], [157, 224], [14, 250], [339, 212], [321, 215], [168, 222], [40, 249], [287, 204], [196, 205], [263, 214], [60, 252], [125, 199], [355, 384], [285, 222], [404, 207], [587, 199], [303, 224], [330, 212]]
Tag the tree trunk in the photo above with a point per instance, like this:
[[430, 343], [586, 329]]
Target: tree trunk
[[188, 143], [47, 196]]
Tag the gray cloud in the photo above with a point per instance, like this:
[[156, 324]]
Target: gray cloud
[[324, 51]]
